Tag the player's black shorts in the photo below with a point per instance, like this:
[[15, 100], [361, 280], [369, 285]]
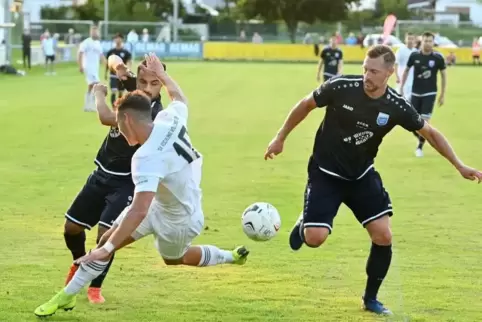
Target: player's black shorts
[[324, 194], [116, 84], [101, 200], [424, 104], [476, 56], [50, 58], [327, 77]]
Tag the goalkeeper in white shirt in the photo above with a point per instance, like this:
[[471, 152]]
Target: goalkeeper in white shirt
[[402, 56], [166, 171]]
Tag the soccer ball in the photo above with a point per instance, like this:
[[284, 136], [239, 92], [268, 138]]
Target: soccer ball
[[261, 221]]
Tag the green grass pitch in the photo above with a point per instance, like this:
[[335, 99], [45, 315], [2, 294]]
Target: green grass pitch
[[47, 149]]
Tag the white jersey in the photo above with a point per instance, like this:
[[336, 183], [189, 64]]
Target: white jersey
[[168, 165], [92, 52], [48, 47], [402, 56]]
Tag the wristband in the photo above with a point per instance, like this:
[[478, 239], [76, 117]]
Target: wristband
[[109, 247]]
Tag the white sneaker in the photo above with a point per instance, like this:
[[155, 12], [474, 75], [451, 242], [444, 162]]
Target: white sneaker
[[419, 153]]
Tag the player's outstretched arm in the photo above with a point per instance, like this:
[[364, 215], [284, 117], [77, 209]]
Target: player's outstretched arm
[[106, 115], [154, 65], [404, 79], [135, 215], [295, 116], [438, 141]]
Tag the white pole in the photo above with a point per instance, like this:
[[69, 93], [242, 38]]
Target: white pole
[[106, 19], [175, 12]]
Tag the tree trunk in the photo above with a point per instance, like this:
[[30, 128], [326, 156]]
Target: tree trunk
[[292, 28]]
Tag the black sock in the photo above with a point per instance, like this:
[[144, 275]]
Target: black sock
[[97, 282], [76, 244], [112, 99], [416, 135], [421, 142], [377, 268]]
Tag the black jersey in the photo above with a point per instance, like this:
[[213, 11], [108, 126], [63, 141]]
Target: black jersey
[[115, 154], [425, 70], [347, 140], [123, 53], [331, 60]]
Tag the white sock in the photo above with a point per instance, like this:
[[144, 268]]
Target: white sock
[[84, 275], [211, 255], [87, 99]]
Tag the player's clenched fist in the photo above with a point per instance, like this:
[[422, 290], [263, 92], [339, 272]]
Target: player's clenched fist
[[275, 147], [100, 89]]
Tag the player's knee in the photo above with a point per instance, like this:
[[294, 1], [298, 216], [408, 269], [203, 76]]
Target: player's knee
[[72, 228], [316, 236], [382, 238], [171, 262]]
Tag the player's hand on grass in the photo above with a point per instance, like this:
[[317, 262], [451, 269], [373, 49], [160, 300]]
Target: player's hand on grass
[[275, 147], [99, 89], [154, 65], [470, 173], [96, 254]]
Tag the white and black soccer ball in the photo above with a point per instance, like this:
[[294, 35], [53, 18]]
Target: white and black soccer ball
[[261, 221]]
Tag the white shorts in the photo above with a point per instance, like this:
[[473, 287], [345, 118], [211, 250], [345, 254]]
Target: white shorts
[[91, 77], [173, 233]]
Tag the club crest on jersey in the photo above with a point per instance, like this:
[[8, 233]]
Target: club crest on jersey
[[431, 63], [114, 132], [382, 119]]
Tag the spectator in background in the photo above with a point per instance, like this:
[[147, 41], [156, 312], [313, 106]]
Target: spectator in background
[[27, 49], [257, 39], [359, 39], [70, 37], [451, 59], [476, 52], [48, 48], [242, 35], [339, 38], [44, 35], [145, 35], [132, 36], [351, 39], [307, 40]]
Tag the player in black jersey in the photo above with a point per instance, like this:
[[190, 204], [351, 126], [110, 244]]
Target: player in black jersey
[[331, 61], [360, 111], [426, 64], [109, 189], [116, 86]]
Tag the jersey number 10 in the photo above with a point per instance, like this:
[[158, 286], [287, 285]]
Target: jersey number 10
[[183, 147]]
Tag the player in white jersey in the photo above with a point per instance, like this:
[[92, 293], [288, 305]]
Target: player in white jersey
[[402, 56], [90, 55], [166, 170]]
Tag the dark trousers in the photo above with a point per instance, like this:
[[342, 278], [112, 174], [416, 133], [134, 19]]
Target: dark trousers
[[27, 58]]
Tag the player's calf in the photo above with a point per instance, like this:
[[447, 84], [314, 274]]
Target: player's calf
[[378, 262], [74, 236]]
